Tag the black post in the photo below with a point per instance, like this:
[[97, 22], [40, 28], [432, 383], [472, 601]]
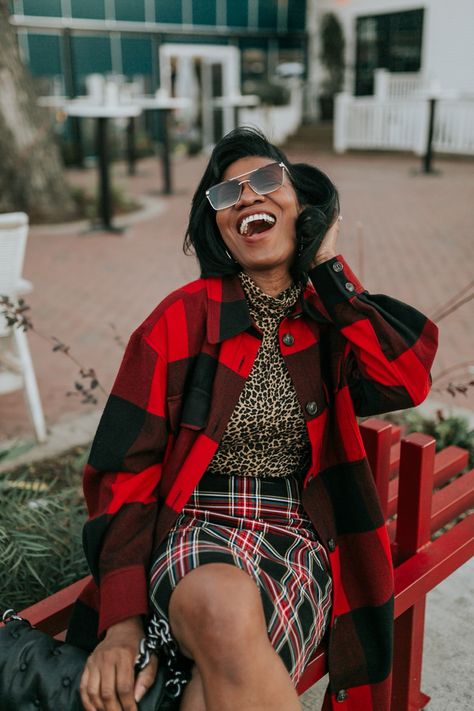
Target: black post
[[104, 207], [165, 156], [70, 86], [131, 156], [428, 157]]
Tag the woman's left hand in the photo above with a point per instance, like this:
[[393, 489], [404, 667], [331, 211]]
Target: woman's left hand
[[327, 249]]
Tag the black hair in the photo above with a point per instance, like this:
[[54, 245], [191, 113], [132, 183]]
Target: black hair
[[312, 187]]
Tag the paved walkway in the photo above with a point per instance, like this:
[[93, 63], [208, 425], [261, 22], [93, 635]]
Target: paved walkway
[[405, 235]]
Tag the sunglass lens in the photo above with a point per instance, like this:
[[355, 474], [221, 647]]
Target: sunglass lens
[[267, 179], [224, 194]]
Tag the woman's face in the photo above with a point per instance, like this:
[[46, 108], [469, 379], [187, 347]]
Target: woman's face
[[260, 245]]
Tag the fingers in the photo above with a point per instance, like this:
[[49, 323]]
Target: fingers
[[108, 685], [146, 678]]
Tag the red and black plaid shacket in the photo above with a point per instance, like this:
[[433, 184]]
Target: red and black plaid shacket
[[348, 353]]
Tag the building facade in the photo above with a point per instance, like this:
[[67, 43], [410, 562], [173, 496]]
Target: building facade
[[430, 37], [63, 41]]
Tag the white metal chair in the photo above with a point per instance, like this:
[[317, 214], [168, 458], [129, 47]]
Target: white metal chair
[[16, 365]]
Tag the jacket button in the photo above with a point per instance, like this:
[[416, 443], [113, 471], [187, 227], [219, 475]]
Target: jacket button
[[288, 339], [350, 286], [23, 666], [311, 407], [337, 266], [332, 544], [342, 695], [37, 703], [66, 682]]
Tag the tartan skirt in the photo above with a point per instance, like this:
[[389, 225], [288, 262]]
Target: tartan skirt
[[259, 525]]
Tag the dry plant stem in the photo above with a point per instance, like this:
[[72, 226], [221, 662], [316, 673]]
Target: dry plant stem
[[438, 310], [16, 317], [453, 308]]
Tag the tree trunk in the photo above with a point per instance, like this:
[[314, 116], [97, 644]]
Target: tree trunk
[[31, 171]]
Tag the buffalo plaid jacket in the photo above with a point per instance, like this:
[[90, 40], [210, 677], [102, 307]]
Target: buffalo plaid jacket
[[348, 353]]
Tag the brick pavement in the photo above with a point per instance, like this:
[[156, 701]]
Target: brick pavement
[[407, 236]]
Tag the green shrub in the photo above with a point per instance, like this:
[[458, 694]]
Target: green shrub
[[41, 522], [446, 430]]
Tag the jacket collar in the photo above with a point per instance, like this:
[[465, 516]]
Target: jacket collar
[[228, 312]]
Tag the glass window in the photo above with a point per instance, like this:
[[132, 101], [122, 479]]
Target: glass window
[[45, 54], [137, 55], [392, 41], [296, 15], [268, 14], [49, 8], [204, 12], [91, 54], [89, 9], [168, 11], [237, 13], [133, 10]]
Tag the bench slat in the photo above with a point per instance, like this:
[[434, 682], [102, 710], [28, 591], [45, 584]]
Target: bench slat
[[427, 568]]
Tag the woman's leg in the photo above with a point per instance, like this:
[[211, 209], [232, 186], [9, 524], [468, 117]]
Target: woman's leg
[[216, 616], [193, 697]]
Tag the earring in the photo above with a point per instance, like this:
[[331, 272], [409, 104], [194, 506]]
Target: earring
[[229, 255]]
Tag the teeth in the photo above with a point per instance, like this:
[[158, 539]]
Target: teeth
[[244, 225]]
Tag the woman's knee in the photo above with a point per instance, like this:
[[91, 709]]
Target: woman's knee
[[214, 604]]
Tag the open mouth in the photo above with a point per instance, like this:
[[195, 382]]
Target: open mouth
[[255, 224]]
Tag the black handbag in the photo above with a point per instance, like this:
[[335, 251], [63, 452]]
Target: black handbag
[[39, 672]]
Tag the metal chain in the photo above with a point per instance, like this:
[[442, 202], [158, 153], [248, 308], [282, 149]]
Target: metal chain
[[159, 639], [10, 614]]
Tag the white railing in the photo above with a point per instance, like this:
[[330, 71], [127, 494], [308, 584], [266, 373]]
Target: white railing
[[370, 123], [454, 127], [399, 85]]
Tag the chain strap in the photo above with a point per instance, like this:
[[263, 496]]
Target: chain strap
[[158, 639], [10, 614]]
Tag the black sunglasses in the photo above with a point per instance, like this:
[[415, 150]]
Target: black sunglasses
[[262, 181]]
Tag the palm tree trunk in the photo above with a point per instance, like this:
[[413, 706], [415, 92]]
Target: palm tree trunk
[[31, 171]]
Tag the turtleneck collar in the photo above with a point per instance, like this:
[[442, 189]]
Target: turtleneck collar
[[265, 305]]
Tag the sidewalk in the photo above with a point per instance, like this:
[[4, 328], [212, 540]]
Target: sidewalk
[[404, 235]]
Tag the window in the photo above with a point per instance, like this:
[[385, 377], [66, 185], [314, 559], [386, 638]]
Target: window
[[91, 55], [49, 8], [136, 55], [237, 13], [204, 12], [132, 11], [392, 41], [296, 15], [168, 11], [45, 55], [267, 14], [89, 9]]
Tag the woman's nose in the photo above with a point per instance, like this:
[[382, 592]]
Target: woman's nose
[[248, 196]]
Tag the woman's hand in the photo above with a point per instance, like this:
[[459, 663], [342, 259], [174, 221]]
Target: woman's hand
[[108, 682], [327, 248]]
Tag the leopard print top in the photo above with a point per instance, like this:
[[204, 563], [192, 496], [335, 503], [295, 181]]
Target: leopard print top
[[266, 434]]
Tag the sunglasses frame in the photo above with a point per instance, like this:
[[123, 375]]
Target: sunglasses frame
[[249, 172]]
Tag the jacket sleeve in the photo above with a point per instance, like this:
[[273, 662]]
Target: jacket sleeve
[[121, 479], [390, 346]]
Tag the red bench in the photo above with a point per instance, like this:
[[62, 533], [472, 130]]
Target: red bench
[[406, 473]]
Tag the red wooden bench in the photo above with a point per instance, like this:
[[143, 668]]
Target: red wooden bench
[[406, 473]]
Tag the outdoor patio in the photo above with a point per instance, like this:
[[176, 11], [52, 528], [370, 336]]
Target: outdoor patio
[[404, 234]]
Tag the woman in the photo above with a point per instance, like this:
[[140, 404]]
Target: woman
[[227, 485]]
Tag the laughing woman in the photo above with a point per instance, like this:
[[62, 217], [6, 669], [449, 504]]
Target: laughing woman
[[228, 488]]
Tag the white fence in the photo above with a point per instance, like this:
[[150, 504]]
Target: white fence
[[375, 123]]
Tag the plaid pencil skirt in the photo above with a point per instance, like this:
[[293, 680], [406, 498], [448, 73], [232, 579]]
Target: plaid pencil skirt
[[259, 525]]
